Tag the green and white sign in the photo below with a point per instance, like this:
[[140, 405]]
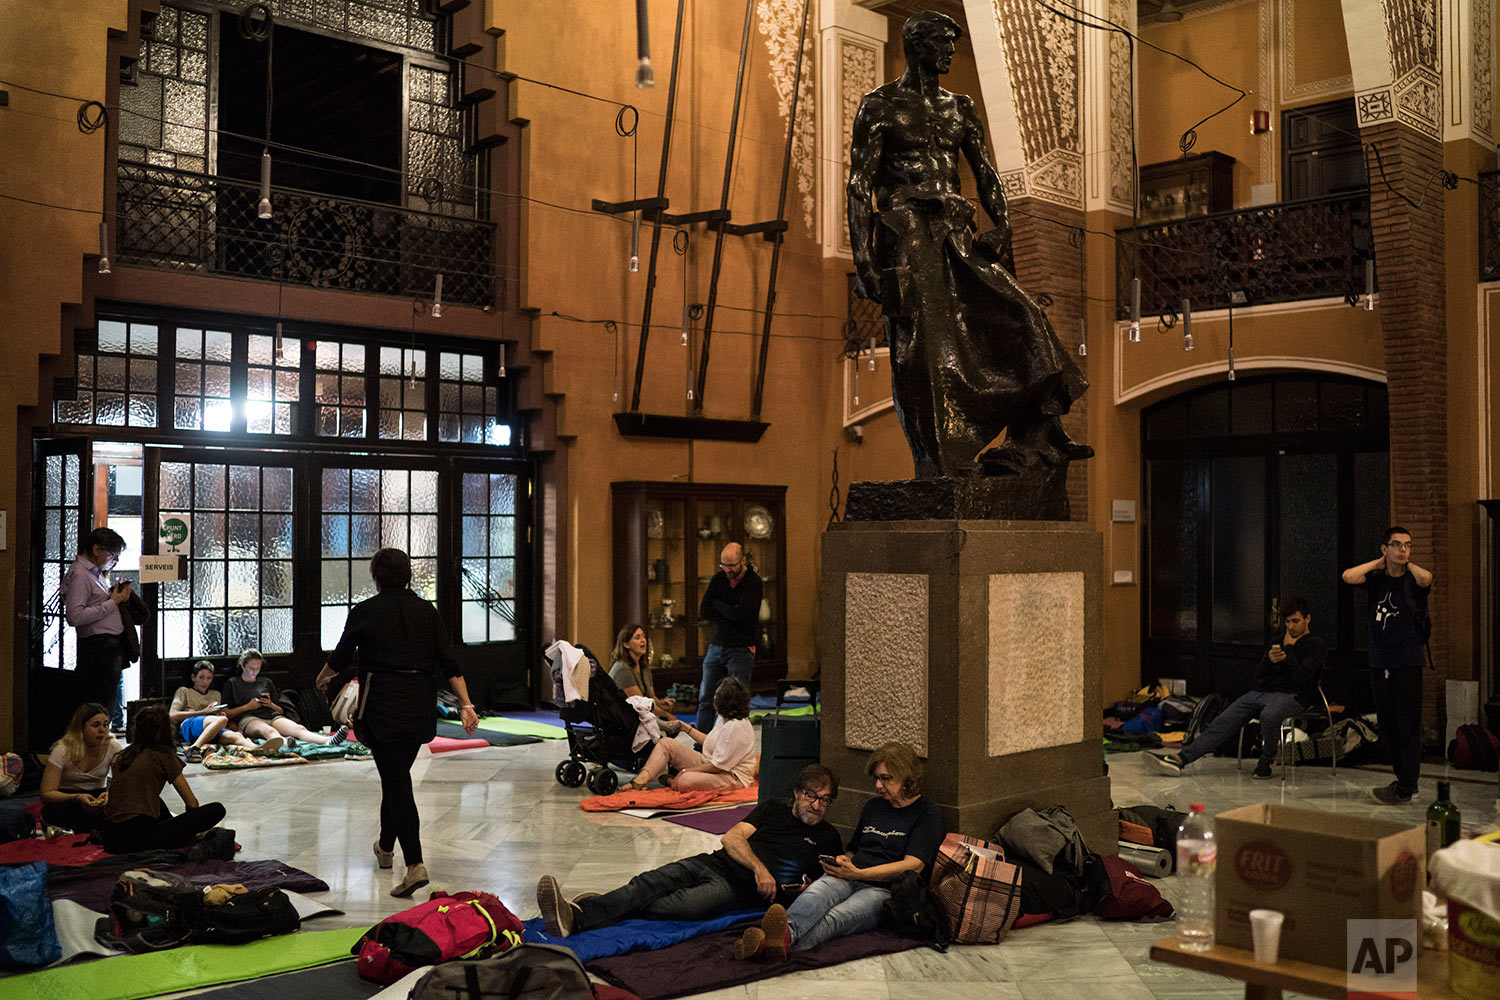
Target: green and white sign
[[176, 534]]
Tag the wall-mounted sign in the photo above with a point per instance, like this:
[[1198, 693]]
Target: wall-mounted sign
[[176, 534], [160, 569], [1122, 511]]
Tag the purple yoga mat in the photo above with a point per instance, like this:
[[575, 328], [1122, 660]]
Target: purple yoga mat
[[715, 821], [704, 964], [92, 886]]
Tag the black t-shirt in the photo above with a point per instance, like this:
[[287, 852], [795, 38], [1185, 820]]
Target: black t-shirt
[[1394, 641], [886, 834], [1297, 673], [238, 691], [788, 847]]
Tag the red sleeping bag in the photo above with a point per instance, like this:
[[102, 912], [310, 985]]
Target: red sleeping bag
[[465, 925]]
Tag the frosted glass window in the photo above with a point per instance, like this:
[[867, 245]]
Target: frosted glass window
[[487, 570], [238, 594], [116, 381], [60, 514], [272, 384]]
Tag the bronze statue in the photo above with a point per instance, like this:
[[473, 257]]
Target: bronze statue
[[971, 353]]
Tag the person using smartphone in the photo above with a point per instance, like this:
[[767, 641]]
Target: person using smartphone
[[91, 604], [195, 711]]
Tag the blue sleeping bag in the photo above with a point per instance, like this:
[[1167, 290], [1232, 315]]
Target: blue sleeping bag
[[634, 935]]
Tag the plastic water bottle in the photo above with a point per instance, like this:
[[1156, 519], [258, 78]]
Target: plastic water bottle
[[1197, 855]]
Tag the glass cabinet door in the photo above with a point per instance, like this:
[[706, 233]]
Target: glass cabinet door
[[667, 589], [761, 534], [714, 527]]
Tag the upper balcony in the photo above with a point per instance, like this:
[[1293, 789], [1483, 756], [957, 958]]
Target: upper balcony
[[184, 221], [1285, 252]]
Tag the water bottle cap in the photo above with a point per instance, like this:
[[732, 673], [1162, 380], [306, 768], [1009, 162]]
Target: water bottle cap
[[1196, 807]]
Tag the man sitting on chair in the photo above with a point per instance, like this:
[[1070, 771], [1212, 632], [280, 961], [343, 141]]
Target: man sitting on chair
[[1286, 682]]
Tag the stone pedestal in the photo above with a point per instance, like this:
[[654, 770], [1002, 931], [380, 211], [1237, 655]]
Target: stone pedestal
[[979, 643]]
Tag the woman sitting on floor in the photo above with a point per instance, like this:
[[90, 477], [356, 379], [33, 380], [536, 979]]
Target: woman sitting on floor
[[195, 711], [136, 819], [898, 831], [77, 772], [631, 672], [253, 708], [728, 757]]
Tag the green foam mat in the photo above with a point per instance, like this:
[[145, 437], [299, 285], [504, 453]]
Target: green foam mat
[[129, 977], [523, 727], [801, 710]]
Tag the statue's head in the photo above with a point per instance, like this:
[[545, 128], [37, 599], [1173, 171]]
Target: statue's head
[[928, 39]]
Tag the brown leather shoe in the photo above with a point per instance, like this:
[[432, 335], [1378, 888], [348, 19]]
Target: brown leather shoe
[[778, 934], [751, 944]]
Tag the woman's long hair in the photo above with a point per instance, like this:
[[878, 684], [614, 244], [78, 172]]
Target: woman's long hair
[[153, 731], [622, 655], [72, 737]]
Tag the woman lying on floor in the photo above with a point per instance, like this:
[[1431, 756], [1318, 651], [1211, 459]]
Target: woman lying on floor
[[728, 757], [196, 711], [136, 819], [898, 831], [77, 772]]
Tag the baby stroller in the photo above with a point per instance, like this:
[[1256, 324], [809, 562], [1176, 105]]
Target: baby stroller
[[600, 731]]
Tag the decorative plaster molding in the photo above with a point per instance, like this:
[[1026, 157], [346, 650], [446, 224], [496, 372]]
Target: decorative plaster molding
[[1270, 145], [1412, 33], [781, 21], [1375, 107], [1121, 123], [1293, 92], [1419, 101], [850, 69], [1482, 72]]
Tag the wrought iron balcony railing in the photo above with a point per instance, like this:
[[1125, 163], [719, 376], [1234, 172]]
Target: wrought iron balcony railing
[[179, 220], [1274, 253], [1489, 226]]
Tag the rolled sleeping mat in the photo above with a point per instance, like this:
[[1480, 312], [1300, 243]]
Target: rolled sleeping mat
[[1153, 862]]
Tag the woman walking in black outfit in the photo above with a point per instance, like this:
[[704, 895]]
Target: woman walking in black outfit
[[403, 652]]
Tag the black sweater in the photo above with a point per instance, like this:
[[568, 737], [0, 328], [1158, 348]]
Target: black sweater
[[733, 610], [1298, 673]]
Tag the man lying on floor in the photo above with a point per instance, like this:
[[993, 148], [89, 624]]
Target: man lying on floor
[[768, 857]]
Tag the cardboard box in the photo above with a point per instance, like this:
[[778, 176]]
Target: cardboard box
[[1319, 869]]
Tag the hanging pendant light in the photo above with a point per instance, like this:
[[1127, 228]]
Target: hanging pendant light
[[437, 297], [1187, 324], [263, 210], [103, 247]]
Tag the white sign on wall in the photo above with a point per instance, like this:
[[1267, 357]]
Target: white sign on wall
[[159, 569]]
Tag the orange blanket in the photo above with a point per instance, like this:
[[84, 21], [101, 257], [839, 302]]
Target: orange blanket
[[666, 798]]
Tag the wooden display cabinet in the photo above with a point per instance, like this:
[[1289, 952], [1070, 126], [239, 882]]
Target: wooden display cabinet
[[667, 539], [1186, 187]]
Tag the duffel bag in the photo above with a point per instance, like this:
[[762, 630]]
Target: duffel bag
[[465, 925], [247, 916], [527, 972]]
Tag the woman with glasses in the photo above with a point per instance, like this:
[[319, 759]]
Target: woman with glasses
[[898, 831], [728, 757]]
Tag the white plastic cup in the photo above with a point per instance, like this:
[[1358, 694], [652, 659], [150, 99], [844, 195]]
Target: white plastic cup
[[1265, 930]]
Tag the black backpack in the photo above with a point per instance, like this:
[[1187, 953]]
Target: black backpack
[[247, 916], [914, 911], [525, 972], [1205, 712], [150, 910]]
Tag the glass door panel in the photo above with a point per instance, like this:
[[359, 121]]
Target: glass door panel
[[61, 510], [667, 591], [1240, 604], [362, 510], [488, 567], [1308, 519]]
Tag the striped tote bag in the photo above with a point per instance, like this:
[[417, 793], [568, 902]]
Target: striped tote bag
[[979, 890]]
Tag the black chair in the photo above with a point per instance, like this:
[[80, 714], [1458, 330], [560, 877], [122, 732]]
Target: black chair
[[1289, 758]]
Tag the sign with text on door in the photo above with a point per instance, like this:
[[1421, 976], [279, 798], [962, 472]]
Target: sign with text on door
[[176, 532]]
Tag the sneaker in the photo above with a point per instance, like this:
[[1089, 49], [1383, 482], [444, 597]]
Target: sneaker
[[557, 912], [385, 859], [340, 735], [193, 755], [416, 877], [1262, 769], [1169, 762], [1391, 795], [269, 747]]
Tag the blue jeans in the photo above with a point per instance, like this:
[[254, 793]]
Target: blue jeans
[[1270, 706], [720, 662], [683, 890], [834, 907]]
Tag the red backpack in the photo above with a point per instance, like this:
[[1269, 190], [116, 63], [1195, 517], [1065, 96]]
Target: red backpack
[[466, 925]]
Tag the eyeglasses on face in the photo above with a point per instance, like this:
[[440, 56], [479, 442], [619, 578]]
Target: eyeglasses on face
[[824, 800], [883, 778]]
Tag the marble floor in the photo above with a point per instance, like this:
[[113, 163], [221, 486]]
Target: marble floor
[[495, 819]]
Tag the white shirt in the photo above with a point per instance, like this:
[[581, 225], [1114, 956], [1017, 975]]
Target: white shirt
[[731, 747]]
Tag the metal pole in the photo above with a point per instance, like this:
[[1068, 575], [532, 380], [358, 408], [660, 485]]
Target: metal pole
[[661, 190], [786, 169], [713, 281]]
